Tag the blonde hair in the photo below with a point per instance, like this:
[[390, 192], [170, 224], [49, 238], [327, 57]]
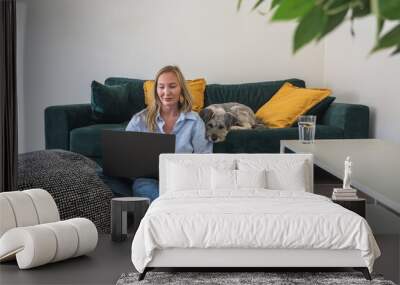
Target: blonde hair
[[185, 101]]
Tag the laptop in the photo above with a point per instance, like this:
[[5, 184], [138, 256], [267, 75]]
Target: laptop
[[134, 154]]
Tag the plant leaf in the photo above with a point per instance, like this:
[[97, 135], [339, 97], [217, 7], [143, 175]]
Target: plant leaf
[[258, 3], [396, 51], [361, 10], [389, 9], [292, 9], [238, 5], [274, 3], [333, 7], [310, 26], [391, 38], [379, 25], [331, 23]]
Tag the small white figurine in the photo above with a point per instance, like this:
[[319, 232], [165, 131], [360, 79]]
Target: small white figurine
[[347, 173]]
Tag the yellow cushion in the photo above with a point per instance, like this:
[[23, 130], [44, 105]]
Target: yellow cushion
[[283, 109], [196, 89]]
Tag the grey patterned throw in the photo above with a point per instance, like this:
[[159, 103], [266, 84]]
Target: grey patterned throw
[[247, 278], [71, 180]]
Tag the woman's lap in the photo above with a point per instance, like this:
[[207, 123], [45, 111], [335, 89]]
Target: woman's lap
[[145, 187], [141, 187]]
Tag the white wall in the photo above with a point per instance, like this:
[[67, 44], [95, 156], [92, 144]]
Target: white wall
[[69, 43], [357, 77]]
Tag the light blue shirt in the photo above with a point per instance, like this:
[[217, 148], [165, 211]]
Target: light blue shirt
[[189, 131]]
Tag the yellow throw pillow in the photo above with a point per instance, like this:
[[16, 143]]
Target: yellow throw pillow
[[283, 109], [196, 89]]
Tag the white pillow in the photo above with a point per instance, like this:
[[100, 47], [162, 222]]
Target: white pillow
[[185, 175], [231, 180], [251, 178], [223, 179], [288, 175]]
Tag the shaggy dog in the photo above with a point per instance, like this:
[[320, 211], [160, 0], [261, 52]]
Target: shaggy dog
[[221, 118]]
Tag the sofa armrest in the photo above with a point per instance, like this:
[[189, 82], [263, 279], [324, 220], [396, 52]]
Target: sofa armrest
[[353, 119], [60, 120]]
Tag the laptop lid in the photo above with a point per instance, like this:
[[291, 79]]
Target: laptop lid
[[134, 154]]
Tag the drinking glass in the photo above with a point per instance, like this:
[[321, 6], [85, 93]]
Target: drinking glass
[[307, 128]]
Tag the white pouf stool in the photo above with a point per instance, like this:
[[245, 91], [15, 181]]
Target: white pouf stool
[[31, 230]]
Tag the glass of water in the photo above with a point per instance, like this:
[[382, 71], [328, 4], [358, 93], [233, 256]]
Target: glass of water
[[307, 128]]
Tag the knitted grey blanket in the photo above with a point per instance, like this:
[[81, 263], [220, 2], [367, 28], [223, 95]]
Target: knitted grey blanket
[[71, 180]]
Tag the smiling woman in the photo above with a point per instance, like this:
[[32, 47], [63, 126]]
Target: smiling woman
[[169, 112], [170, 95]]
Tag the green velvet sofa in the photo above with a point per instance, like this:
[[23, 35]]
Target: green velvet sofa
[[76, 128]]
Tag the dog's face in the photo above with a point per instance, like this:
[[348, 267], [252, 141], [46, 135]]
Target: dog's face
[[218, 123]]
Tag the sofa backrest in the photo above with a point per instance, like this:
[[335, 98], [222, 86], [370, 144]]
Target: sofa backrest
[[284, 171], [253, 95]]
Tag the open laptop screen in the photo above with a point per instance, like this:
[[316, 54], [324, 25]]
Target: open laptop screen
[[134, 154]]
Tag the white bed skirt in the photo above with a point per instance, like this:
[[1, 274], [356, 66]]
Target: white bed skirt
[[189, 257]]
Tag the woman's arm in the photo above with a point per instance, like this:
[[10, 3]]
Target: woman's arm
[[199, 141], [137, 123]]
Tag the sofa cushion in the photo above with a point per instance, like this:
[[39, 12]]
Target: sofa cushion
[[135, 93], [268, 140], [253, 95], [288, 104], [87, 140], [319, 109], [196, 88], [110, 103]]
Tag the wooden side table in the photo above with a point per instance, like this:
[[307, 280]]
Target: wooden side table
[[355, 205], [120, 207]]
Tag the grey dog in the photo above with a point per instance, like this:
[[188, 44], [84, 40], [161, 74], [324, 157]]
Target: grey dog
[[221, 118]]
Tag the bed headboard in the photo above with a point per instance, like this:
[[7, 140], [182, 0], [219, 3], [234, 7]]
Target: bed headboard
[[279, 162]]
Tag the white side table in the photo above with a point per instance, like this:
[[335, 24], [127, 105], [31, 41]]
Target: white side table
[[119, 215]]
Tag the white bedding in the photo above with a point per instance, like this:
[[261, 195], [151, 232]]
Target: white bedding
[[250, 219]]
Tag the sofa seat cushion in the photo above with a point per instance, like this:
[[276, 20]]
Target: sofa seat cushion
[[268, 140], [87, 140]]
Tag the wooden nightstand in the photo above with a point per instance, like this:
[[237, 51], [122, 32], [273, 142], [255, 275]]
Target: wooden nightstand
[[355, 205]]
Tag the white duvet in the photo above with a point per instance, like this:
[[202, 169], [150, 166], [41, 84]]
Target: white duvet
[[251, 219]]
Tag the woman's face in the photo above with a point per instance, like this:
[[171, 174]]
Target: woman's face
[[168, 89]]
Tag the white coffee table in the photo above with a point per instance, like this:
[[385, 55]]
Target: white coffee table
[[376, 165]]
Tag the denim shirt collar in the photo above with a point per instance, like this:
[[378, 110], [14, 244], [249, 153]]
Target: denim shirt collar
[[182, 116]]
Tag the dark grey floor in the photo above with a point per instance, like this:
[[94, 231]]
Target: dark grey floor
[[103, 266]]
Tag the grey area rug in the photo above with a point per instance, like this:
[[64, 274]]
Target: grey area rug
[[269, 278], [71, 180]]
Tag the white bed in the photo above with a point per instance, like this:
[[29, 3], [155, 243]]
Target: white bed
[[247, 210]]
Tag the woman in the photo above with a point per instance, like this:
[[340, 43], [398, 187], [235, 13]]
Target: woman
[[170, 113]]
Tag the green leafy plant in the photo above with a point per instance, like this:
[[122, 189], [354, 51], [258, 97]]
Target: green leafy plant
[[317, 18]]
